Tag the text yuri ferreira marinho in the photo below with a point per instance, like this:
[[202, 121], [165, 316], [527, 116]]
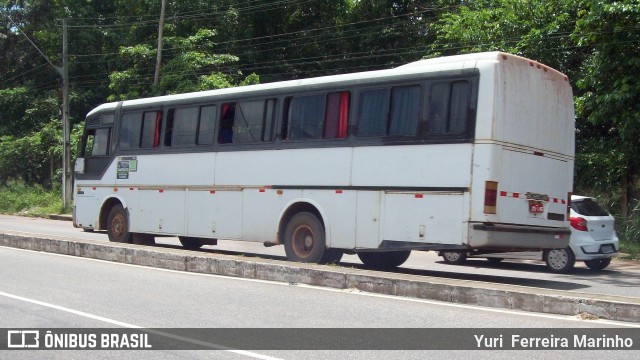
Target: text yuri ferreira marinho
[[576, 341]]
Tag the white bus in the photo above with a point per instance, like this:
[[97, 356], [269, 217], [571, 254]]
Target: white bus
[[470, 152]]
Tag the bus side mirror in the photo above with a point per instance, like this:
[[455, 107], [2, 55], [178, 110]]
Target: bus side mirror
[[79, 167]]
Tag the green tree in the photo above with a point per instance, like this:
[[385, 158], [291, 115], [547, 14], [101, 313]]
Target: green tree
[[608, 108], [538, 29]]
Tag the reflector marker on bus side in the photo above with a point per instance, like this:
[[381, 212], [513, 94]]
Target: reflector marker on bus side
[[517, 195], [419, 196]]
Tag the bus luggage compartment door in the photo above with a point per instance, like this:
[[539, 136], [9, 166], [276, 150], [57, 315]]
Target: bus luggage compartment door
[[430, 218]]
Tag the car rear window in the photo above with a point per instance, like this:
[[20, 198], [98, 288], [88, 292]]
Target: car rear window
[[588, 207]]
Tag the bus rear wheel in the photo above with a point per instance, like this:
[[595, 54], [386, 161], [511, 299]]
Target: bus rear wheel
[[384, 260], [118, 225], [454, 257], [304, 239], [191, 243]]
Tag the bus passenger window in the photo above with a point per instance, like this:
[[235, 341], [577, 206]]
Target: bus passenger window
[[225, 135], [449, 107], [206, 125], [130, 127], [249, 122], [185, 126], [336, 116], [151, 129], [405, 110], [306, 117], [459, 106], [372, 118]]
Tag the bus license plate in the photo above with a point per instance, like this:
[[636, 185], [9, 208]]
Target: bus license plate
[[536, 207]]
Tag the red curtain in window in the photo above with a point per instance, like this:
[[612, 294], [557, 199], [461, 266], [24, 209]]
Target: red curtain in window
[[344, 115], [336, 116], [156, 135]]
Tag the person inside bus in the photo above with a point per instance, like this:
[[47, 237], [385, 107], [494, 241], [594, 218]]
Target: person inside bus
[[226, 123]]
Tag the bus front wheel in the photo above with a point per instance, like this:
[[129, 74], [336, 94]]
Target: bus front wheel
[[304, 238], [118, 225]]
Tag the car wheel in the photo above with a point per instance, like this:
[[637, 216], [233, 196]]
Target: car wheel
[[559, 260], [454, 257], [384, 260], [597, 264]]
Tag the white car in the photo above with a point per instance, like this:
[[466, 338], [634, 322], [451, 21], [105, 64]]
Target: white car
[[593, 240]]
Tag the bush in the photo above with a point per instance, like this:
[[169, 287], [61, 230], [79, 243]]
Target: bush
[[16, 197]]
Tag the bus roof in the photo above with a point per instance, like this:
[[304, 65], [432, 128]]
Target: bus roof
[[456, 62]]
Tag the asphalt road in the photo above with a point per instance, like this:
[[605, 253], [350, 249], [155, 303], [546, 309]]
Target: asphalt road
[[42, 290], [621, 278]]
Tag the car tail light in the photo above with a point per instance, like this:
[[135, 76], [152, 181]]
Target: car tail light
[[579, 223], [490, 197]]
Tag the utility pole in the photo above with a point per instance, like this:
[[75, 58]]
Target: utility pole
[[67, 178], [156, 76]]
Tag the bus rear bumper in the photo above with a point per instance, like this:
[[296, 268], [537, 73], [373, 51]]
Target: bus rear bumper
[[517, 237]]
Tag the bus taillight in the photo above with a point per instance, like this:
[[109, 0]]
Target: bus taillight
[[490, 197]]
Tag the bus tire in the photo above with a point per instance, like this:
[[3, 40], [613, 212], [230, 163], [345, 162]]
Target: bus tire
[[384, 260], [304, 239], [143, 239], [559, 260], [454, 257], [190, 243], [118, 225], [331, 256]]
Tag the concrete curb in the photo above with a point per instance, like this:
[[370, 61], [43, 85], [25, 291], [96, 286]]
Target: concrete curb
[[414, 286]]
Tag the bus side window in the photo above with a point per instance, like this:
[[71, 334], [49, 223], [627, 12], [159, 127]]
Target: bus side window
[[336, 119], [185, 126], [130, 128], [449, 107], [206, 125], [96, 143], [405, 110], [306, 115], [151, 123], [225, 135], [372, 112]]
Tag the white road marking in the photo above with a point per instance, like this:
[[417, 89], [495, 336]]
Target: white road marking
[[132, 326]]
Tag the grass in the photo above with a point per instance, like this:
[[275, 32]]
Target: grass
[[18, 198], [628, 231]]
